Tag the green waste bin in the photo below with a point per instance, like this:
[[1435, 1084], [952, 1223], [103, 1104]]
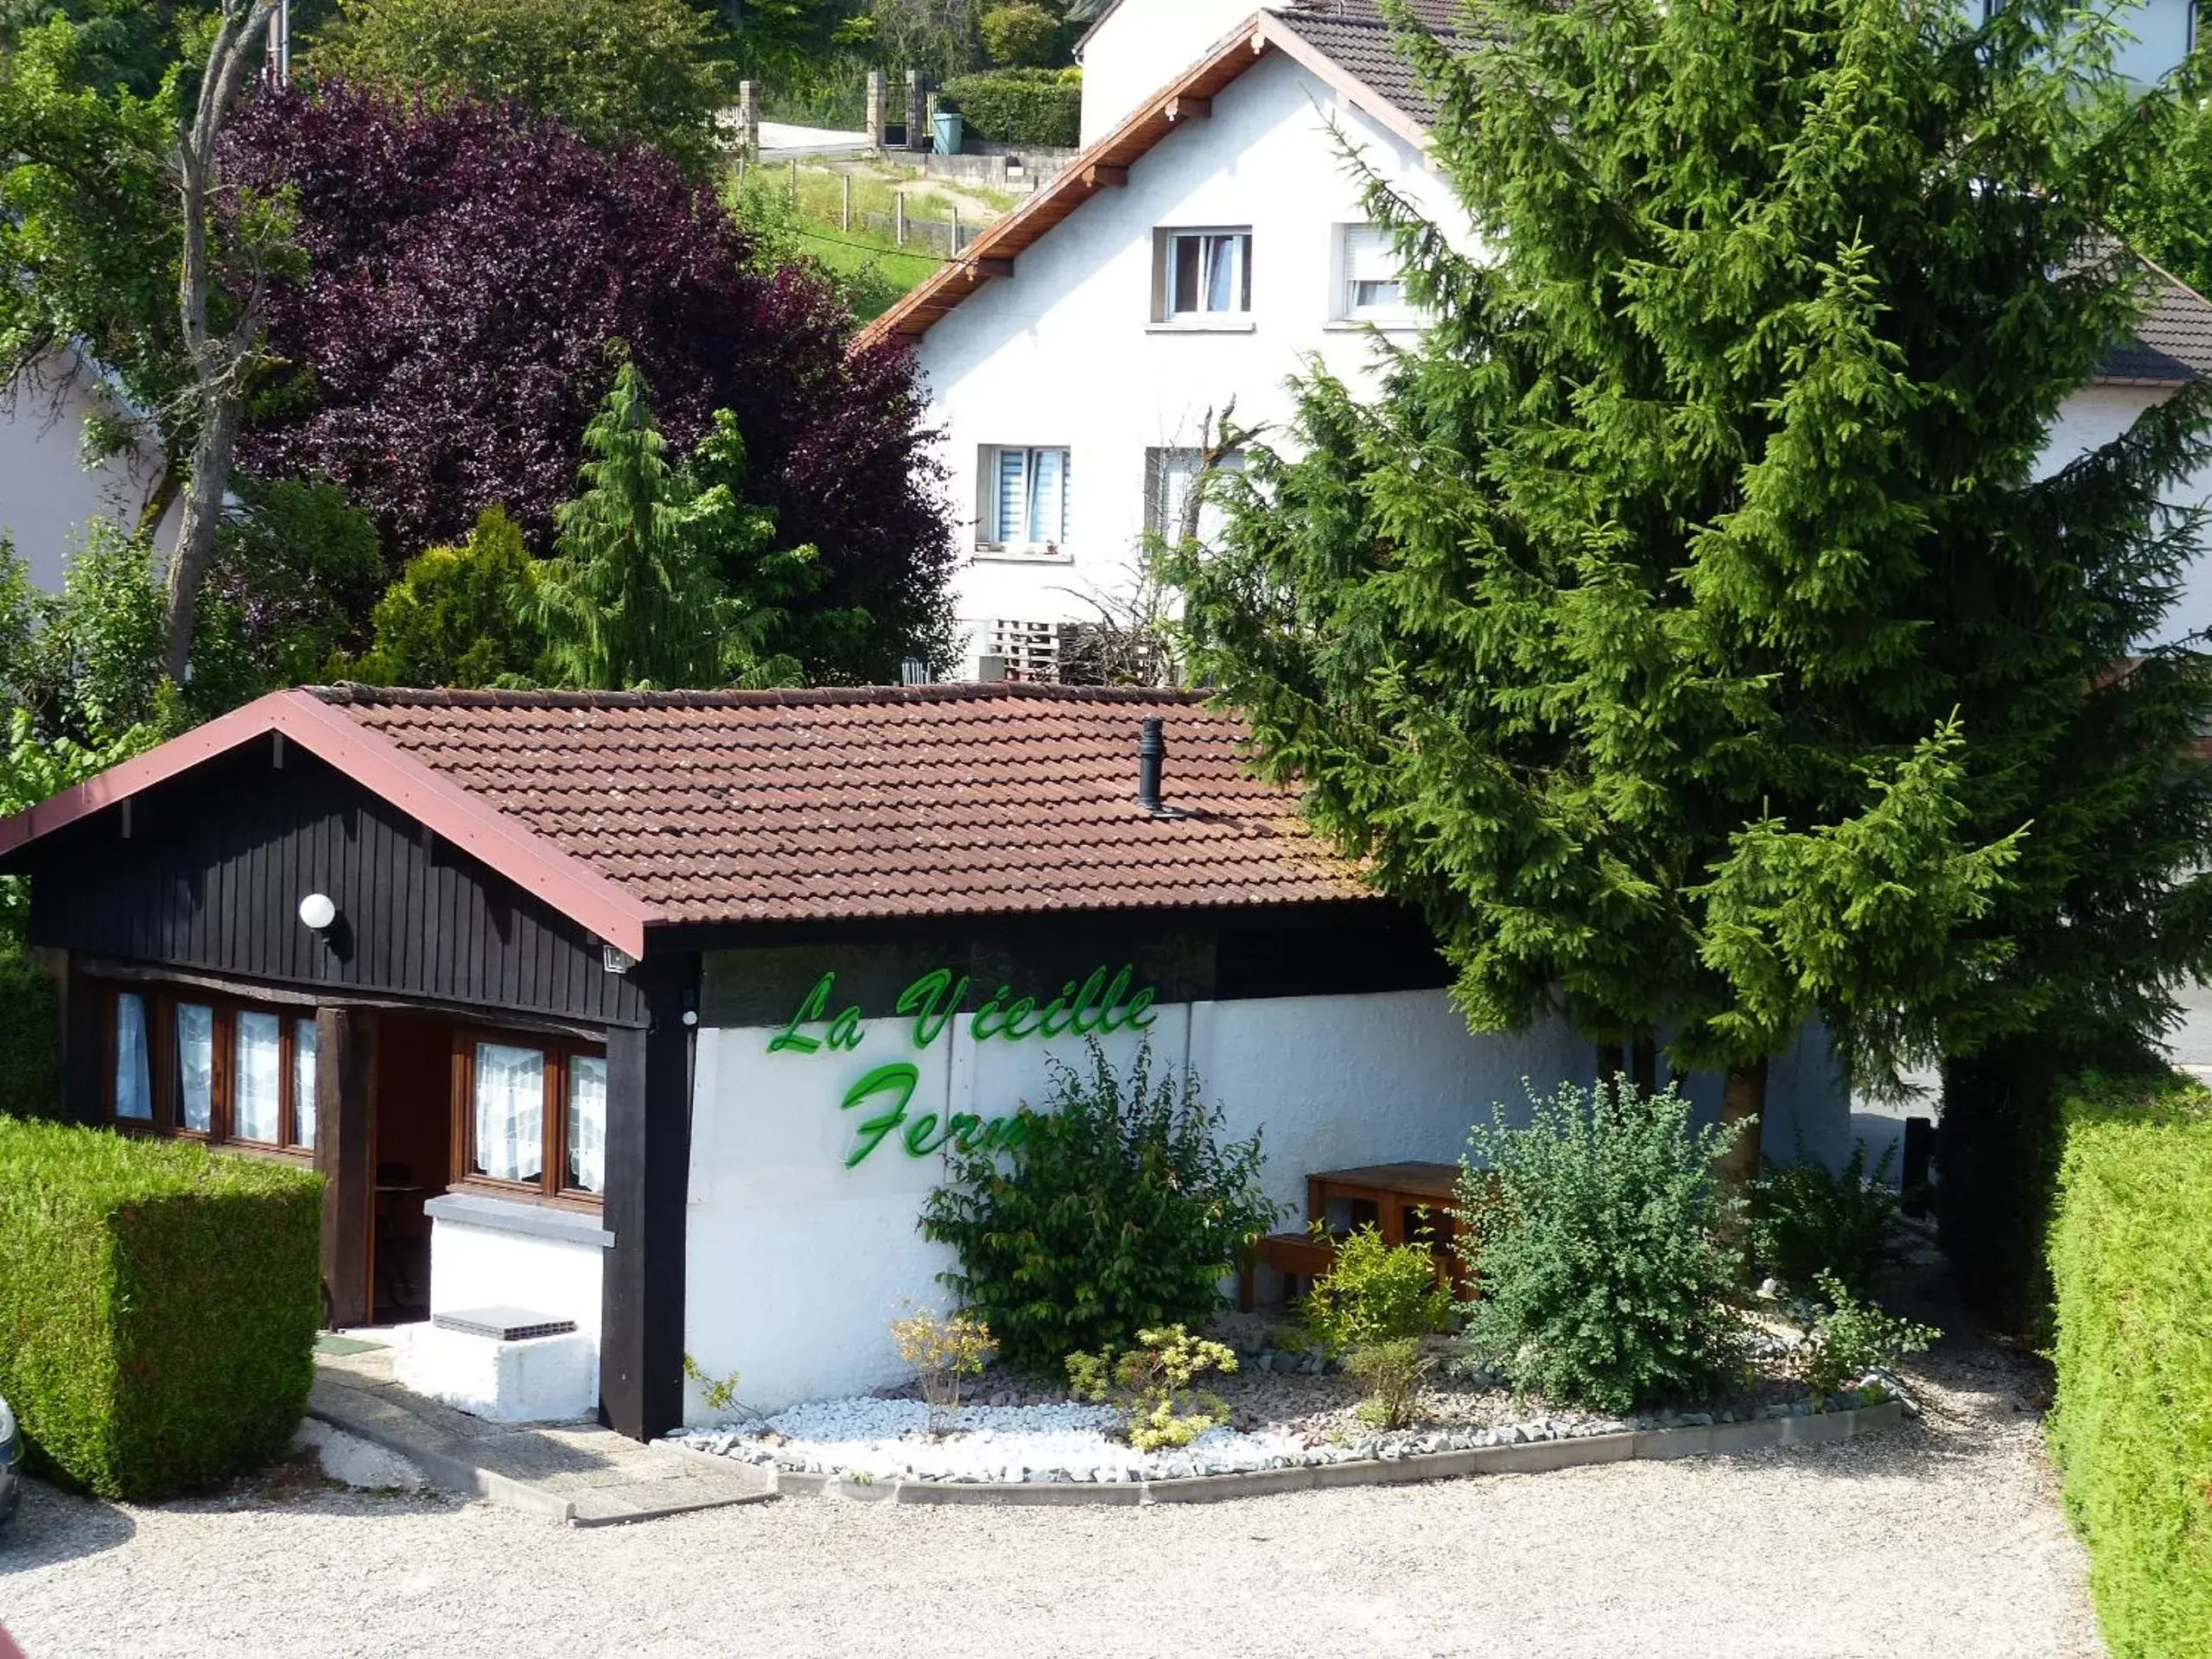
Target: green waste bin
[[946, 128]]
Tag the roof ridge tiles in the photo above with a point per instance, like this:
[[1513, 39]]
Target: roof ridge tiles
[[347, 693]]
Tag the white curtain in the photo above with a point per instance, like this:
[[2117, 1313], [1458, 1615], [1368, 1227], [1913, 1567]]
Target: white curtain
[[1048, 495], [258, 1075], [195, 1065], [510, 1112], [134, 1077], [587, 1122], [1225, 273], [303, 1082]]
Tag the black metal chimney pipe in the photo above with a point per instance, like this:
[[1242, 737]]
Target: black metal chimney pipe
[[1152, 748]]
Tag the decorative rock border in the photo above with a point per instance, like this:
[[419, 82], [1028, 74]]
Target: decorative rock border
[[1526, 1457]]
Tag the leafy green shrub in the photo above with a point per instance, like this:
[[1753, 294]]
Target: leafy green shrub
[[158, 1304], [1377, 1292], [30, 1041], [1017, 106], [1806, 1222], [1151, 1385], [1847, 1338], [2131, 1253], [1394, 1372], [1022, 35], [1594, 1242], [1118, 1211]]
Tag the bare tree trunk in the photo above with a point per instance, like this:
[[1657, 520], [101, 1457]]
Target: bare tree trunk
[[1742, 1100], [1609, 1071], [1643, 1064], [219, 361]]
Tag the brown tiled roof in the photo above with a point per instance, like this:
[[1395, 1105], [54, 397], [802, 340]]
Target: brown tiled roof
[[2172, 344], [1355, 35], [872, 802]]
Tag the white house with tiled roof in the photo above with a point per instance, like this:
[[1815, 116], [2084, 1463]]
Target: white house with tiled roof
[[1208, 242]]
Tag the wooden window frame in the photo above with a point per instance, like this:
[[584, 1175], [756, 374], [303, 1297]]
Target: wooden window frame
[[552, 1185], [161, 1002]]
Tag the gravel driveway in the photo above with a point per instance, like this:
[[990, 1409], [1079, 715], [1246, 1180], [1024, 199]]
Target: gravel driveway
[[1942, 1539]]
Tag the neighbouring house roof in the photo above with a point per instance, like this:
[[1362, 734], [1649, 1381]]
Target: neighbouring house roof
[[630, 810], [1349, 45]]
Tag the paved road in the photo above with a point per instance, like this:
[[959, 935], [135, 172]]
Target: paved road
[[1942, 1540]]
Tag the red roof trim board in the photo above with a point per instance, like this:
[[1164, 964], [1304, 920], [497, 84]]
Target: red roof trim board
[[530, 860]]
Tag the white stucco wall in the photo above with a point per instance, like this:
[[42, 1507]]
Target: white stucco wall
[[1141, 47], [45, 492], [796, 1264], [1067, 351], [482, 1266]]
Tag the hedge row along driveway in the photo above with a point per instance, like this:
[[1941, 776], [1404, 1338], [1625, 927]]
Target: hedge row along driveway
[[2132, 1258], [158, 1306]]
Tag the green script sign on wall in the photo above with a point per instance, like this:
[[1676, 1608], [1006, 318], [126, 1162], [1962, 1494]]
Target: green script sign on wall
[[1097, 1005]]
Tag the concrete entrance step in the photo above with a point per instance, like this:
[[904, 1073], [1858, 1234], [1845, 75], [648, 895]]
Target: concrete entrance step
[[577, 1472]]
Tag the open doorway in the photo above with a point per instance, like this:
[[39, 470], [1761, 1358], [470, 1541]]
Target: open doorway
[[412, 1154]]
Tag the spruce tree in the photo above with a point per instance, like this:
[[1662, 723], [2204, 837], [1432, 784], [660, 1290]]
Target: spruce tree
[[663, 575], [1682, 627]]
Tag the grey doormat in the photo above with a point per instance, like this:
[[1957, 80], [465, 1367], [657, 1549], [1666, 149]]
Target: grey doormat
[[330, 1341]]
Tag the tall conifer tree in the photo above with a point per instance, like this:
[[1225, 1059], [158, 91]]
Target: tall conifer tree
[[1684, 627]]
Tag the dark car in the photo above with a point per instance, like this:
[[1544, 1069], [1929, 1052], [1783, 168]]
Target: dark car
[[11, 1462]]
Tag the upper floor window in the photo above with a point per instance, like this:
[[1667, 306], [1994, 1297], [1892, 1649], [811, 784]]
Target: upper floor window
[[1205, 274], [1025, 506], [1374, 280]]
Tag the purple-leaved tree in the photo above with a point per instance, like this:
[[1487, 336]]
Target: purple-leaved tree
[[472, 272]]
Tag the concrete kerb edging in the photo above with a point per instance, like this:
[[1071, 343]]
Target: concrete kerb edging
[[455, 1473], [1526, 1457]]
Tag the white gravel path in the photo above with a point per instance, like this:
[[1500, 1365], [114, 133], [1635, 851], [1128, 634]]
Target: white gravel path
[[1941, 1541]]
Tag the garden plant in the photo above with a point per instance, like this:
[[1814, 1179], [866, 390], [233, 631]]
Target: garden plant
[[1152, 1385], [1119, 1210], [1806, 1221], [1595, 1246], [1374, 1307], [944, 1352]]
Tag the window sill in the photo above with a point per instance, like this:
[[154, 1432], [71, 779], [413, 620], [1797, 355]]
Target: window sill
[[1379, 325], [1021, 555], [1245, 328], [569, 1223]]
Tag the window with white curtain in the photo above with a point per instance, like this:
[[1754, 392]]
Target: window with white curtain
[[257, 1076], [211, 1065], [1025, 498], [1375, 283], [134, 1071], [195, 1067], [586, 1124], [510, 1112], [303, 1083], [1206, 274]]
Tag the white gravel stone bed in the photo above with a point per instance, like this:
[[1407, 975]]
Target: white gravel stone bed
[[873, 1439]]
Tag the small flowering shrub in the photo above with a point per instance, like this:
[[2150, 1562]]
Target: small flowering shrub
[[1377, 1292], [1849, 1337], [1595, 1244], [1151, 1385], [943, 1351]]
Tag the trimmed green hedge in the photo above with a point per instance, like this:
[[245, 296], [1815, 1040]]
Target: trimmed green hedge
[[30, 1041], [158, 1306], [2130, 1252], [1017, 106]]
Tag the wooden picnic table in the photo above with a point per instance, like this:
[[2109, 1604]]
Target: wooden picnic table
[[1412, 1205]]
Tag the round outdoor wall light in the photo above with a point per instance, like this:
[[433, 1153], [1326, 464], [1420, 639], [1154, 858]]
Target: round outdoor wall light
[[317, 911]]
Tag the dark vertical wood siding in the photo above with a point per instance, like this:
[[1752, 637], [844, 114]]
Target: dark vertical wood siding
[[213, 873]]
